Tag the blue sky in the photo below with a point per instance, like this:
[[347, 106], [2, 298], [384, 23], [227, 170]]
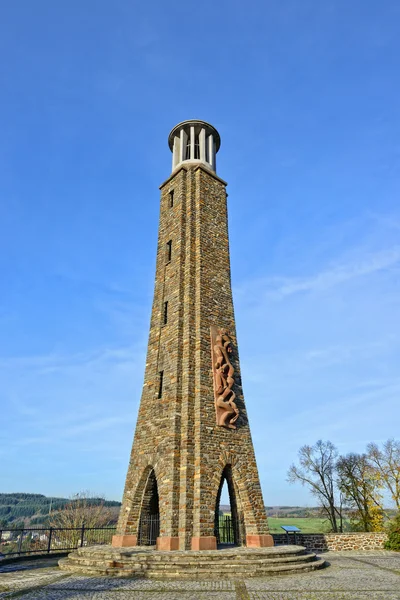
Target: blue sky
[[305, 96]]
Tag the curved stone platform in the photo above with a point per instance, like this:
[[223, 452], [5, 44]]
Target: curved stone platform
[[232, 563]]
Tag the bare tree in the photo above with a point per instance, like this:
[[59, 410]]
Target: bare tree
[[317, 470], [360, 486], [82, 511], [387, 465]]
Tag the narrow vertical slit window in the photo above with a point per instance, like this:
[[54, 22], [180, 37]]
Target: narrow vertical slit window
[[169, 251], [165, 313], [160, 383], [171, 198], [188, 148]]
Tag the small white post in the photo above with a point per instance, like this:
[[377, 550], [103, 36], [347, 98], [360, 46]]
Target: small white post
[[183, 145], [202, 142], [192, 143], [214, 156], [211, 154], [175, 153]]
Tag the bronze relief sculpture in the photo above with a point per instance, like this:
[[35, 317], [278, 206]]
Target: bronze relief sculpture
[[221, 348]]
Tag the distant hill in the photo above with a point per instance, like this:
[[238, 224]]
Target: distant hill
[[33, 509], [294, 511], [284, 511]]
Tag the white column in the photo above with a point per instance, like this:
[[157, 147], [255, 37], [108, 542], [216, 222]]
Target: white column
[[211, 154], [202, 142], [192, 143], [175, 152], [183, 145], [214, 157]]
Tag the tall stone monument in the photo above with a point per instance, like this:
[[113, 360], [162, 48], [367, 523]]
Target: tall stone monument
[[192, 431]]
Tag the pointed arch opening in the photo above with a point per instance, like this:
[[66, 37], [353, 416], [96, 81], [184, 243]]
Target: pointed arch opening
[[227, 527], [149, 522]]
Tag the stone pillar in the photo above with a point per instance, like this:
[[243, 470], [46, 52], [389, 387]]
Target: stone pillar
[[124, 541], [259, 541]]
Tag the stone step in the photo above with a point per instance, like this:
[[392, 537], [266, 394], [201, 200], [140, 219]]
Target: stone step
[[179, 573], [192, 562], [207, 564], [138, 554]]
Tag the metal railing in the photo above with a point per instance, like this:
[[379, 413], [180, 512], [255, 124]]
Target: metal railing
[[26, 541], [17, 542]]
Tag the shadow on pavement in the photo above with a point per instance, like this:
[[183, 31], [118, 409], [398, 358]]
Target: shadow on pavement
[[28, 565]]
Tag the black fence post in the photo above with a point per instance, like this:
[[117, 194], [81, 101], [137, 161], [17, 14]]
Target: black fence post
[[49, 542], [82, 534], [20, 541]]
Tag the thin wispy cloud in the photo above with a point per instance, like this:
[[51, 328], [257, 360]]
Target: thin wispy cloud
[[54, 362], [280, 287]]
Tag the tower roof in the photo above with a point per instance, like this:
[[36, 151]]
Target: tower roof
[[193, 142], [194, 122]]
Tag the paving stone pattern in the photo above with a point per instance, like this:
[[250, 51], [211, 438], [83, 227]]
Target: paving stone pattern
[[373, 575]]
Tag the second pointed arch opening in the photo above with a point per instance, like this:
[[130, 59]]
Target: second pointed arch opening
[[149, 522], [228, 525]]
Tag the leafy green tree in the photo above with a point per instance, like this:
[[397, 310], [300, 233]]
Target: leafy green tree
[[386, 461], [393, 541], [360, 486]]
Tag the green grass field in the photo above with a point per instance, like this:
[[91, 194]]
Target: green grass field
[[307, 525]]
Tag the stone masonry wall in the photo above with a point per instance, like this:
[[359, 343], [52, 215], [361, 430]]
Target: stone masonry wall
[[176, 434], [217, 446], [157, 441], [335, 541]]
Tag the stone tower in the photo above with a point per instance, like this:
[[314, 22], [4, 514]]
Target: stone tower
[[192, 431]]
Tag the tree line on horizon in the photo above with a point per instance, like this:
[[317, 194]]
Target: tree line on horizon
[[23, 509]]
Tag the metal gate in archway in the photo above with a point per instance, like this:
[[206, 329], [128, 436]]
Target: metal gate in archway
[[226, 532], [149, 530]]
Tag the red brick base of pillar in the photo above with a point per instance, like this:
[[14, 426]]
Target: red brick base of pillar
[[167, 543], [204, 543], [259, 541], [123, 541]]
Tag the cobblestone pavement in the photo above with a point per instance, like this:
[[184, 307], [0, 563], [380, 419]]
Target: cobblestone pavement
[[372, 575]]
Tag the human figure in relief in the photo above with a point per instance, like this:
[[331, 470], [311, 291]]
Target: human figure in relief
[[223, 371]]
